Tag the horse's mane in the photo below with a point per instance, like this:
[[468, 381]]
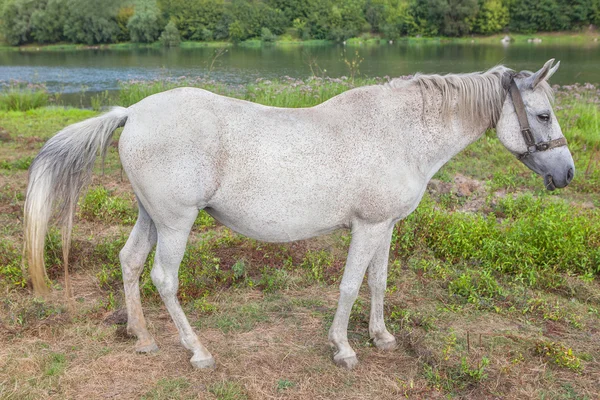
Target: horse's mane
[[480, 95]]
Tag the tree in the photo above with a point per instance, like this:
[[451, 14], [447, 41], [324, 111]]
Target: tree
[[170, 36], [426, 17], [459, 17], [16, 20], [144, 24], [47, 23], [192, 16], [91, 21], [123, 16], [491, 18], [237, 31]]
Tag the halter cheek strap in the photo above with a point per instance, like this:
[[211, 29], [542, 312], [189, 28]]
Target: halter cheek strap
[[532, 146]]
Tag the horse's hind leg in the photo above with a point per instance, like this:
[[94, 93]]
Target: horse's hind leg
[[377, 283], [133, 255], [172, 240]]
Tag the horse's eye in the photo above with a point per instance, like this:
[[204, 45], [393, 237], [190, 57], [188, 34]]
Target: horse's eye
[[544, 117]]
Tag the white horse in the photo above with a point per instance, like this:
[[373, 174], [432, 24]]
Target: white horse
[[360, 160]]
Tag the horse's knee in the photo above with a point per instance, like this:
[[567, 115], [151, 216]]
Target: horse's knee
[[166, 284], [349, 292]]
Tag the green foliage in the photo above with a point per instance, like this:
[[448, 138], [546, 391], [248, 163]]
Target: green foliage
[[91, 21], [47, 23], [18, 164], [55, 365], [170, 36], [98, 204], [316, 263], [492, 17], [559, 354], [266, 35], [284, 384], [106, 21], [19, 96], [228, 391], [525, 237], [11, 275], [453, 377], [16, 16], [191, 17], [458, 20], [144, 25], [167, 389]]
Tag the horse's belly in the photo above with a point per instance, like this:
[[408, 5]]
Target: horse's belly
[[276, 227]]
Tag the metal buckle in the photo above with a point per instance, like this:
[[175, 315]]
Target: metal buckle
[[528, 137], [542, 146]]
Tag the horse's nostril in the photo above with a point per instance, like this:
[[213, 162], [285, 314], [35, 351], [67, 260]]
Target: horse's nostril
[[570, 175]]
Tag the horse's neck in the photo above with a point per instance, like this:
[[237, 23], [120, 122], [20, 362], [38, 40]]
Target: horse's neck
[[443, 137]]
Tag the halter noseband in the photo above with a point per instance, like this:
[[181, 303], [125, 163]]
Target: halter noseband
[[532, 146]]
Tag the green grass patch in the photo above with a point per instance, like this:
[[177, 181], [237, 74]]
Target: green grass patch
[[523, 237], [22, 163], [19, 96], [99, 204], [167, 389], [228, 390], [55, 365], [11, 275]]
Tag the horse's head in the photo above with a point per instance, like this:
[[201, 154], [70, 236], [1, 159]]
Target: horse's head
[[529, 129]]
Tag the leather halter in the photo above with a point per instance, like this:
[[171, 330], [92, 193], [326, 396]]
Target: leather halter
[[532, 146]]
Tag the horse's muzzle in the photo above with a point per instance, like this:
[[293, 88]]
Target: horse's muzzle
[[555, 165]]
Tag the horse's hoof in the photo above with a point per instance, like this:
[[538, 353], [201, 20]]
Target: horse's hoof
[[202, 363], [386, 343], [147, 347], [346, 362]]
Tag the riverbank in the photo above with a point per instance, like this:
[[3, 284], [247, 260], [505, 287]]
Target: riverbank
[[493, 286], [551, 38]]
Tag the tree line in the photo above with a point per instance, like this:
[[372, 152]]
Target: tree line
[[110, 21]]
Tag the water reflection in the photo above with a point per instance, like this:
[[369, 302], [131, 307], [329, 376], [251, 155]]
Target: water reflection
[[98, 70]]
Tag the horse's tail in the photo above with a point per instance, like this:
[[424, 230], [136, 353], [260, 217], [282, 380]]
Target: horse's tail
[[56, 178]]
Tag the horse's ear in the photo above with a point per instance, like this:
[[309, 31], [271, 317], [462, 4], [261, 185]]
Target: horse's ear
[[544, 74]]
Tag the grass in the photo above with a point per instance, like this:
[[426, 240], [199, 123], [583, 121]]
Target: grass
[[493, 287], [20, 96]]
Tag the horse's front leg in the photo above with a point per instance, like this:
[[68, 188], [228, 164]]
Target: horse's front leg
[[366, 239], [377, 283]]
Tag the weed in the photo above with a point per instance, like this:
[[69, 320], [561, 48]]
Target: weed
[[284, 384], [55, 364], [239, 269], [408, 319], [204, 221], [21, 96], [202, 306], [99, 205], [242, 319], [274, 279], [18, 164], [227, 390], [169, 389], [316, 263], [559, 354], [454, 377], [10, 265]]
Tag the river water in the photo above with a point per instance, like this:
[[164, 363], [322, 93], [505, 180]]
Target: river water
[[98, 70]]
